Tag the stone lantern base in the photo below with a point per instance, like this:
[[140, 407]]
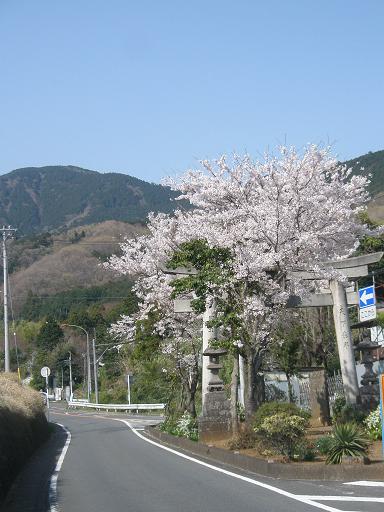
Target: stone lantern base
[[215, 421]]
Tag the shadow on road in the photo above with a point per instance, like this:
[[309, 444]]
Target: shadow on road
[[29, 492]]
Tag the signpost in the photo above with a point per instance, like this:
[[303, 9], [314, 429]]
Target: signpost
[[46, 372], [367, 304], [129, 388]]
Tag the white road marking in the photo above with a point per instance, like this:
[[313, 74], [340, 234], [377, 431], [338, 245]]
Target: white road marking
[[55, 474], [342, 498], [366, 483], [308, 499], [303, 499]]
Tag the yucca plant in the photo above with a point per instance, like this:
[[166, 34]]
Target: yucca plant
[[347, 440]]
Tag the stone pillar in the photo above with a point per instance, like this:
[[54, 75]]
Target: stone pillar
[[319, 398], [209, 334], [344, 342]]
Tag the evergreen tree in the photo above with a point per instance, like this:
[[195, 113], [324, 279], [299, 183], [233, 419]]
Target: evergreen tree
[[49, 335]]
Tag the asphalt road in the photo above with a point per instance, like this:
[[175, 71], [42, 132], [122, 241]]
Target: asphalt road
[[110, 467]]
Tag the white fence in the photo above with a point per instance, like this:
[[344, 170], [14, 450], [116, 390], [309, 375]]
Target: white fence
[[277, 390], [117, 407]]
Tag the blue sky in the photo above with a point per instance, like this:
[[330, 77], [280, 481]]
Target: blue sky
[[150, 87]]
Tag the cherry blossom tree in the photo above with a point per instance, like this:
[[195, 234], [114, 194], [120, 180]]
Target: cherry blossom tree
[[288, 212], [179, 334]]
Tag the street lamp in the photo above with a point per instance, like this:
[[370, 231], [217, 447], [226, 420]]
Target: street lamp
[[89, 383]]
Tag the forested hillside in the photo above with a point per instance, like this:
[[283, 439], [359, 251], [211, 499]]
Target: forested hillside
[[47, 265], [40, 199], [371, 163]]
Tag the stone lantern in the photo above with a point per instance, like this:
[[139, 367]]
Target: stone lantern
[[369, 390], [215, 421]]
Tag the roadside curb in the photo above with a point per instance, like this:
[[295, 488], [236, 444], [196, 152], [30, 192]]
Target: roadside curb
[[289, 471]]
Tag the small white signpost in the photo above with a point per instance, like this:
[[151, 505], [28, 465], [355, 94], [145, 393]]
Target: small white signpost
[[129, 388], [46, 372], [367, 304]]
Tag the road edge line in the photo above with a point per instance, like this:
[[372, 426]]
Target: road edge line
[[269, 487], [52, 497]]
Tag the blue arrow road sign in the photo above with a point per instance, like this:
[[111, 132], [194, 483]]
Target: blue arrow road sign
[[367, 297]]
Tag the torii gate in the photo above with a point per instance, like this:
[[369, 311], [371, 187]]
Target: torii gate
[[338, 296]]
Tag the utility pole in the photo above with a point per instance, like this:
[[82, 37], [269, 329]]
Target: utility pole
[[95, 367], [70, 378], [7, 232]]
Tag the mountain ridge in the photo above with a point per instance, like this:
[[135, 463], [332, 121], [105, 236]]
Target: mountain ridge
[[59, 197], [37, 199]]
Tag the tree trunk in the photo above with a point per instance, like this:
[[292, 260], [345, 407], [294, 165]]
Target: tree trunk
[[290, 389], [254, 389], [234, 393], [189, 387], [190, 403]]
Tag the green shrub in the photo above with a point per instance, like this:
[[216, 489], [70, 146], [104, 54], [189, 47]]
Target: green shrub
[[271, 408], [247, 438], [181, 426], [346, 413], [373, 425], [186, 426], [169, 425], [240, 409], [324, 444], [347, 441], [283, 432], [305, 450], [337, 406]]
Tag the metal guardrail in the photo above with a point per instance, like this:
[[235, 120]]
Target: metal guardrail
[[117, 407]]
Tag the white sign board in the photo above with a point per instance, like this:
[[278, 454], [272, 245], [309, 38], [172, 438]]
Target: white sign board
[[182, 306], [367, 314], [45, 371]]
